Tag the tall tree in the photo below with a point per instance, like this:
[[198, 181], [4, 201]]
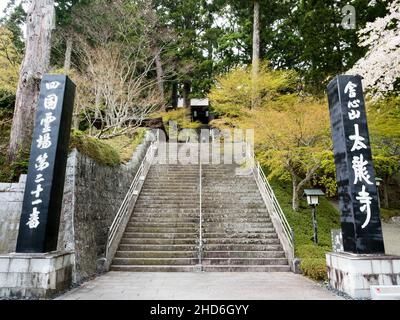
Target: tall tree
[[39, 25], [256, 38], [256, 51]]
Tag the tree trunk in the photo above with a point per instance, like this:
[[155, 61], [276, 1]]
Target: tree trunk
[[68, 51], [160, 75], [295, 197], [256, 51], [39, 25], [174, 97], [385, 192], [186, 93]]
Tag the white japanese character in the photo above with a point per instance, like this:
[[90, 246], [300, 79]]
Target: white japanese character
[[38, 191], [33, 222], [52, 85], [365, 199], [354, 114], [39, 178], [41, 162], [44, 141], [350, 88], [358, 140], [45, 122], [36, 202], [50, 102], [354, 104], [360, 170]]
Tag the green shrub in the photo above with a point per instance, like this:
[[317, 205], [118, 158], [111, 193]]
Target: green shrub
[[11, 172], [314, 268], [94, 148], [313, 261]]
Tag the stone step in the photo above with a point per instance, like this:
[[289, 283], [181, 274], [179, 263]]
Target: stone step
[[230, 204], [180, 197], [189, 202], [159, 214], [166, 211], [243, 254], [227, 189], [227, 224], [244, 268], [237, 232], [235, 220], [168, 189], [244, 261], [144, 205], [240, 241], [159, 230], [184, 182], [154, 268], [157, 247], [162, 220], [174, 173], [162, 224], [229, 212], [157, 241], [236, 197], [241, 247], [133, 235], [235, 235], [155, 261], [250, 230], [156, 254]]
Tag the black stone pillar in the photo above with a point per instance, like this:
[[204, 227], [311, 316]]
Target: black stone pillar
[[41, 209], [358, 197]]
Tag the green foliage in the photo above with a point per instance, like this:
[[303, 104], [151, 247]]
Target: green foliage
[[325, 176], [232, 93], [386, 165], [11, 172], [126, 144], [315, 268], [8, 173], [384, 125], [181, 117], [387, 214], [312, 257], [94, 148], [9, 62], [13, 21]]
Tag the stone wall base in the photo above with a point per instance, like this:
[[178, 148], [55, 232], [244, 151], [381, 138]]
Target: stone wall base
[[36, 276], [354, 274]]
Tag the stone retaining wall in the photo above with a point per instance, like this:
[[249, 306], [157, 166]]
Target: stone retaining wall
[[11, 196], [93, 194]]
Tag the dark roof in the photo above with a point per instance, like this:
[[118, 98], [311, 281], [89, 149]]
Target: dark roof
[[313, 192]]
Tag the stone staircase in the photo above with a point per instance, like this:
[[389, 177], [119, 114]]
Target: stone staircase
[[163, 231], [238, 234]]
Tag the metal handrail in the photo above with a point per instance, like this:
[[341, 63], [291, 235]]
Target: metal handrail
[[200, 211], [260, 175], [270, 199], [126, 206]]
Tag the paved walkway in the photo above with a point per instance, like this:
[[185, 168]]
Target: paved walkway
[[200, 286], [391, 237]]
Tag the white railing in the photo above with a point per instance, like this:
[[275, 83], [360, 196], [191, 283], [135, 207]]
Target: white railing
[[115, 231], [282, 226]]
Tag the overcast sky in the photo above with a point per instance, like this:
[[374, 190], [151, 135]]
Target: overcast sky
[[3, 4]]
